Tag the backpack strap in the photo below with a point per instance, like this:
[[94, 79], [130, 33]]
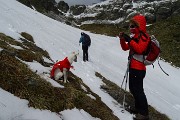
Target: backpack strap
[[143, 34], [162, 68], [141, 58], [149, 44]]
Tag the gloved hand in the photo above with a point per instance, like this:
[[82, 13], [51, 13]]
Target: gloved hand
[[121, 35], [127, 38]]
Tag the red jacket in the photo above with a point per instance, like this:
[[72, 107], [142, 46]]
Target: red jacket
[[61, 64], [138, 47]]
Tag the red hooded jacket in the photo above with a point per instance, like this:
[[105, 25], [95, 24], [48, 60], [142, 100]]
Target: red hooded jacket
[[61, 64], [138, 47]]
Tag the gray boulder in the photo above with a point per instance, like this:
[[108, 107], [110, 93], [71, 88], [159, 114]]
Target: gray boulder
[[63, 6], [77, 9]]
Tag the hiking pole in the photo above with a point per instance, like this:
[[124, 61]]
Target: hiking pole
[[124, 97], [125, 73], [162, 69], [2, 104], [78, 47], [125, 76]]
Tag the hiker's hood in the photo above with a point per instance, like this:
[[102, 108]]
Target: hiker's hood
[[141, 21]]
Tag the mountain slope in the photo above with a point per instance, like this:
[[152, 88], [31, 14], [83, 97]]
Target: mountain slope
[[106, 57], [109, 18]]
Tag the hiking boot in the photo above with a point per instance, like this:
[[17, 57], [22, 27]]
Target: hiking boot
[[133, 110], [141, 117]]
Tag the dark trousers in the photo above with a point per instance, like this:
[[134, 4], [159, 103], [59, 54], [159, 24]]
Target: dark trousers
[[136, 88], [85, 53]]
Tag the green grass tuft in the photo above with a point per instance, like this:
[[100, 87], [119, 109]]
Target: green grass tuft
[[27, 36]]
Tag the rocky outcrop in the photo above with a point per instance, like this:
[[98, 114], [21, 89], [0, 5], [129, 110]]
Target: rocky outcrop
[[63, 6], [120, 9], [41, 5], [117, 11], [77, 9]]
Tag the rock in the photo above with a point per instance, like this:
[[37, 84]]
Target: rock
[[77, 9], [163, 13], [150, 18], [63, 6]]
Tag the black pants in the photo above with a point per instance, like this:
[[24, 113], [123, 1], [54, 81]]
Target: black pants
[[85, 53], [136, 88]]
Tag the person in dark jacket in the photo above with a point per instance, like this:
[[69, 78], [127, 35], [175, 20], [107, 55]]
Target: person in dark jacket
[[137, 44], [86, 42]]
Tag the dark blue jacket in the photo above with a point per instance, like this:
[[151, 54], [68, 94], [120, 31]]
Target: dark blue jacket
[[85, 40]]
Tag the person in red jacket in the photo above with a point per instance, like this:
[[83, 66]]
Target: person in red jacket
[[137, 43]]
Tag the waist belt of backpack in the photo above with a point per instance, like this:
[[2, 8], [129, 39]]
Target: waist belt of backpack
[[139, 58]]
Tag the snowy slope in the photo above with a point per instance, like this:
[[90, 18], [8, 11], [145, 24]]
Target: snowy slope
[[105, 54]]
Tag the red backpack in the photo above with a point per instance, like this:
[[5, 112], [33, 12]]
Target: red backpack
[[152, 53]]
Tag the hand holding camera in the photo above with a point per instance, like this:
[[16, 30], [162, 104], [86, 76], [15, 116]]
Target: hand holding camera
[[125, 36]]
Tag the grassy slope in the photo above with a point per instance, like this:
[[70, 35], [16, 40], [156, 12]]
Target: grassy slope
[[166, 31], [106, 29], [19, 80]]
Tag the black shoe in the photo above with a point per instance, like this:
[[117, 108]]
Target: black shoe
[[132, 110], [141, 117]]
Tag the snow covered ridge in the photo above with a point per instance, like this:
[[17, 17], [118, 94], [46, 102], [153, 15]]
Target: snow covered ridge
[[109, 11], [60, 40]]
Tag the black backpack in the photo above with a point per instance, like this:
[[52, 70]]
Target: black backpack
[[87, 40]]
